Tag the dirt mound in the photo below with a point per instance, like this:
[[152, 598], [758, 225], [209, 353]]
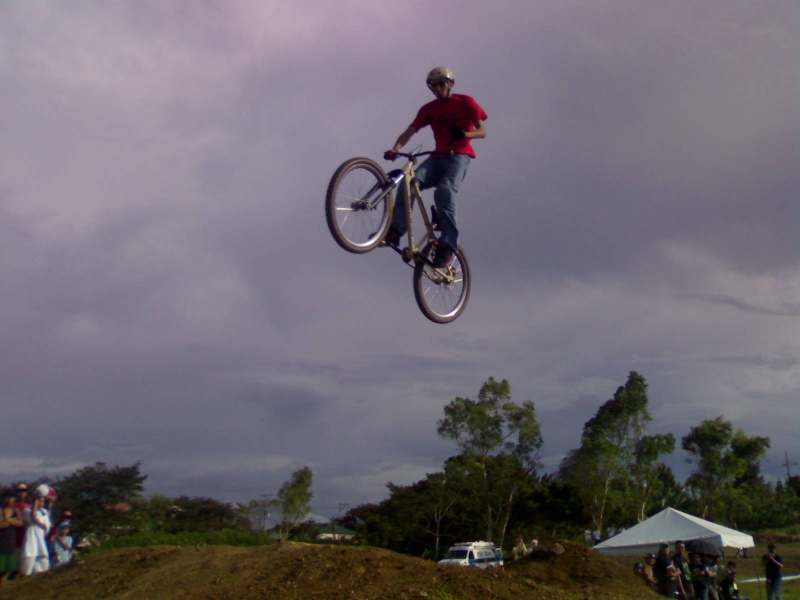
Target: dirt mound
[[305, 571], [572, 566]]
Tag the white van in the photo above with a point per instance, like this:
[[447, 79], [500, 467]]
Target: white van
[[483, 555]]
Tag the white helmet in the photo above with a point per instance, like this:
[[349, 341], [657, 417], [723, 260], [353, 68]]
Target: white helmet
[[440, 73]]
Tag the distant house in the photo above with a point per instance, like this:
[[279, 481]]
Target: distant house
[[337, 533]]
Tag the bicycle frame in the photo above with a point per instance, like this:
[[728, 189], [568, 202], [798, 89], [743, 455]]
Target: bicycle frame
[[413, 193]]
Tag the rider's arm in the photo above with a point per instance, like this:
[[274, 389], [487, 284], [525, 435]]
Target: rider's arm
[[404, 137], [480, 131]]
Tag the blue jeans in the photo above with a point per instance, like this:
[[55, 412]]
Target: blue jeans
[[445, 174], [774, 589]]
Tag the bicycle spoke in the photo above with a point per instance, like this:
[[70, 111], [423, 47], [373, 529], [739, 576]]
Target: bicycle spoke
[[358, 205], [442, 294]]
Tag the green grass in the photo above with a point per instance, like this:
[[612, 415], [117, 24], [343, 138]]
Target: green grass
[[751, 567], [755, 591]]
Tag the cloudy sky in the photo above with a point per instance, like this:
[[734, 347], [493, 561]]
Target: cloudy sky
[[170, 292]]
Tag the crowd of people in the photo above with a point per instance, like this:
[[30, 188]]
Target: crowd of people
[[697, 576], [32, 539]]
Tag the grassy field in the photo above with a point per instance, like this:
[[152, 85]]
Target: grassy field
[[749, 568]]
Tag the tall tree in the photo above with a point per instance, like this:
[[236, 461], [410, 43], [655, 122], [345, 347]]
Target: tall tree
[[721, 455], [294, 501], [649, 474], [499, 438], [605, 464]]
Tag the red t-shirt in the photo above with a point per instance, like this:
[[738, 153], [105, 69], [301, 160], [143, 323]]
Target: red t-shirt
[[20, 531], [459, 110]]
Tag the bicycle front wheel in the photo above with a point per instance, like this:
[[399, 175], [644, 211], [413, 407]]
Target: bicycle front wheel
[[358, 205], [442, 294]]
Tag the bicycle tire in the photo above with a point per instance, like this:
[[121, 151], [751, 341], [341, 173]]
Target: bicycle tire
[[439, 301], [357, 206]]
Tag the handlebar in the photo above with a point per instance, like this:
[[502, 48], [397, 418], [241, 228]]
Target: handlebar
[[412, 156]]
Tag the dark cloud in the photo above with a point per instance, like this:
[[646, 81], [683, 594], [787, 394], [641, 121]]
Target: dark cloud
[[172, 295]]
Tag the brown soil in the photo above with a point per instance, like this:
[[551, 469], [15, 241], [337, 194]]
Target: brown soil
[[565, 571]]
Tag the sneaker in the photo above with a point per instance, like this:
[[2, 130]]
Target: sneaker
[[443, 257], [392, 237]]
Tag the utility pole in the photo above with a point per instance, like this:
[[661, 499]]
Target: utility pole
[[787, 464]]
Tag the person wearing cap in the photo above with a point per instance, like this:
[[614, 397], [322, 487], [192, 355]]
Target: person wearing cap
[[647, 570], [10, 520], [456, 120], [34, 555], [62, 543], [773, 567]]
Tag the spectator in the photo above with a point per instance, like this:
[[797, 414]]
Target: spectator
[[728, 590], [62, 543], [10, 520], [679, 558], [712, 577], [698, 572], [773, 567], [596, 536], [647, 571], [20, 505], [519, 549], [34, 555], [665, 573], [534, 543], [638, 569], [588, 538]]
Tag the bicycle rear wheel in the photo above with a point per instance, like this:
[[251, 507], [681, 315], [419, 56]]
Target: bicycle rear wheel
[[358, 205], [442, 298]]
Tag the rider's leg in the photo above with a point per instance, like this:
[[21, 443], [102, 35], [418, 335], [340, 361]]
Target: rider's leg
[[450, 173], [424, 172]]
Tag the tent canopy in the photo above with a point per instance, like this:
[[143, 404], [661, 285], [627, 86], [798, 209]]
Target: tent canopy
[[668, 526]]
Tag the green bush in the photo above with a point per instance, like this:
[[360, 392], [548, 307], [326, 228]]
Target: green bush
[[221, 537]]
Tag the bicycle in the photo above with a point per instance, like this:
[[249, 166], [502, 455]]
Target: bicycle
[[358, 208]]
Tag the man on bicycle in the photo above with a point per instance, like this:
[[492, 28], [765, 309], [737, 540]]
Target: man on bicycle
[[455, 120]]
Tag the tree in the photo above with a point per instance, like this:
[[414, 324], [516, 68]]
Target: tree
[[650, 475], [294, 501], [256, 513], [615, 460], [418, 512], [499, 439], [100, 496], [721, 456], [201, 514], [152, 514], [552, 509]]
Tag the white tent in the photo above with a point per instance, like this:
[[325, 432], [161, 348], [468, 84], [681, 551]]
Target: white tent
[[668, 526]]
